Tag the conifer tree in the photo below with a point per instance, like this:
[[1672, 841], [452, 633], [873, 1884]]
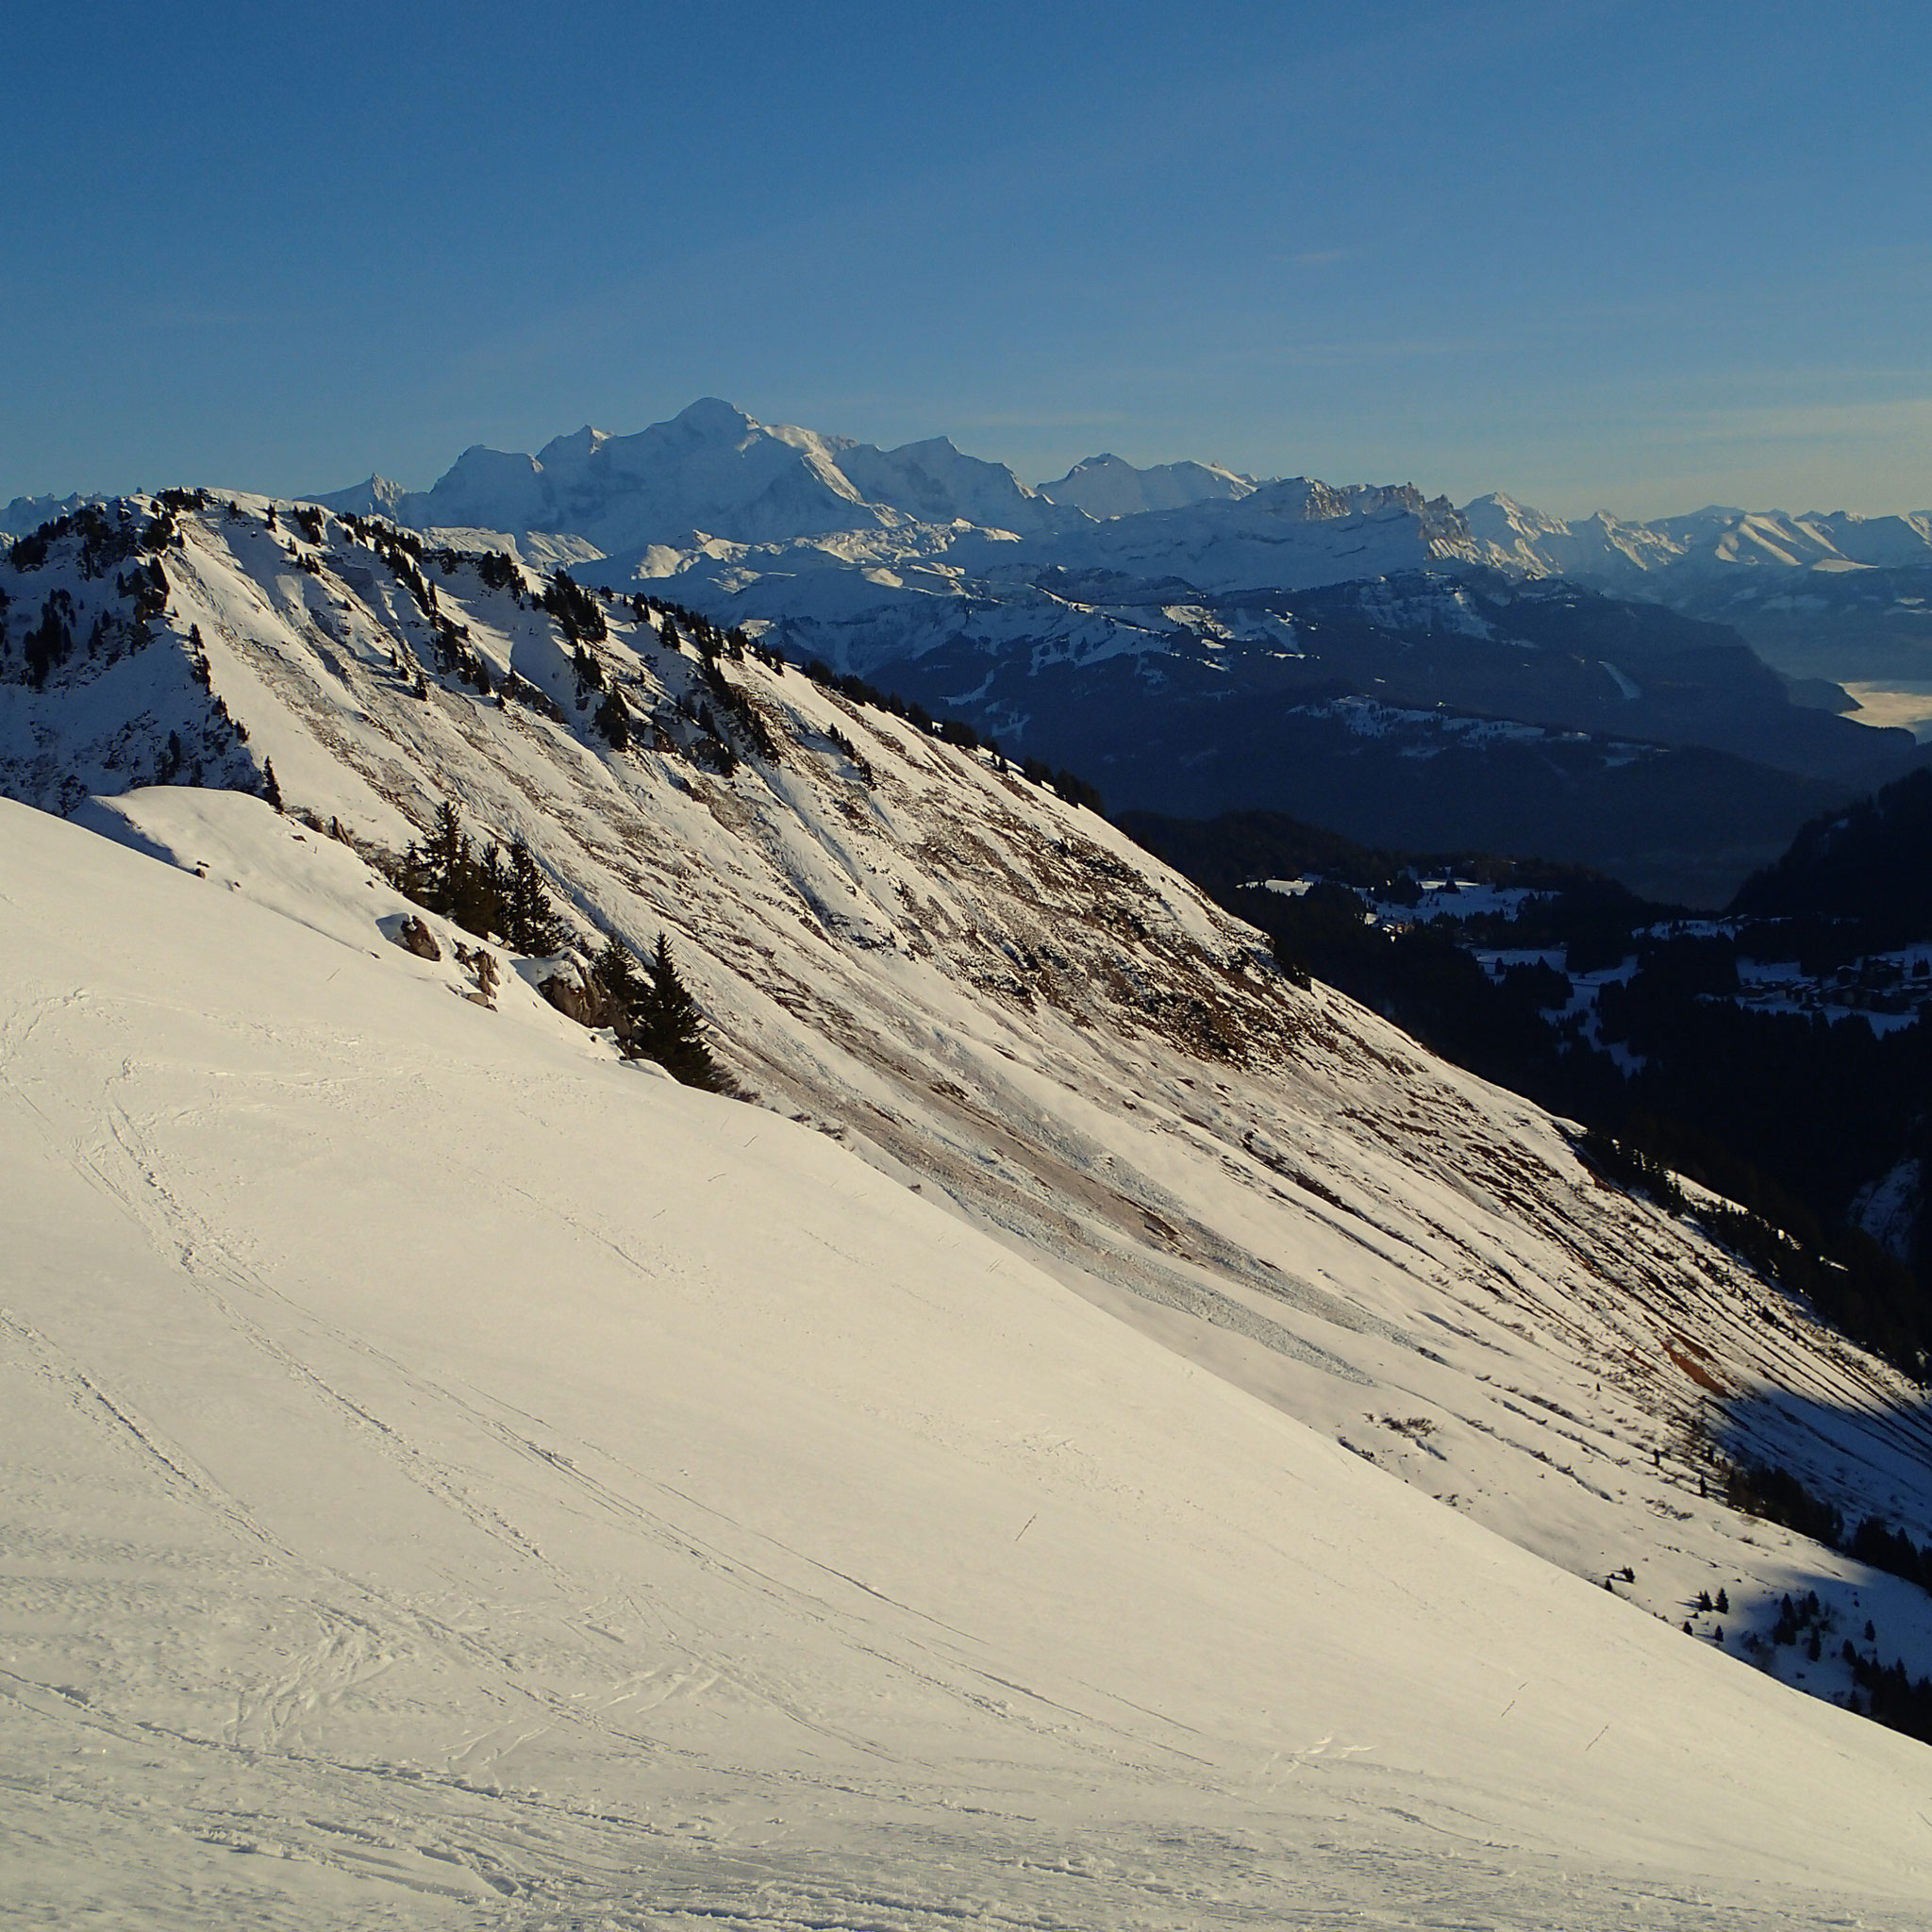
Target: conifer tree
[[446, 860], [613, 720], [483, 896], [532, 926], [616, 972], [443, 876], [671, 1027]]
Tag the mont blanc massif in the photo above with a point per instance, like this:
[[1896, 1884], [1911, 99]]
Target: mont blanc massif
[[763, 1183]]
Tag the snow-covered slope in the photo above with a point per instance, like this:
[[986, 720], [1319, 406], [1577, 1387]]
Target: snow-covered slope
[[877, 595], [634, 1497], [483, 1483]]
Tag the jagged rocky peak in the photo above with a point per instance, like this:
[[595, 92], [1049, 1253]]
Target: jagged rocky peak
[[1313, 501], [376, 496]]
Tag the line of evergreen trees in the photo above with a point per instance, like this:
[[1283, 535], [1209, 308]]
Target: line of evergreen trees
[[956, 731], [1890, 1695], [496, 894], [736, 703], [500, 895], [1766, 1489], [1851, 1282], [578, 615]]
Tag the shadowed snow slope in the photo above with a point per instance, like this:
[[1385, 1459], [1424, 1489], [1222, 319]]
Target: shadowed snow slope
[[495, 1485]]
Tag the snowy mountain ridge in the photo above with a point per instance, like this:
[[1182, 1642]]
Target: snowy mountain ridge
[[713, 469], [1102, 1178], [662, 501], [715, 472], [1109, 486], [1608, 549]]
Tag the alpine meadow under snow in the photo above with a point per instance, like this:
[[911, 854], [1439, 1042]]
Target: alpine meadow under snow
[[1106, 1437]]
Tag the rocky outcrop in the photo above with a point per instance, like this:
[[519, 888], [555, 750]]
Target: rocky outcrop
[[414, 936]]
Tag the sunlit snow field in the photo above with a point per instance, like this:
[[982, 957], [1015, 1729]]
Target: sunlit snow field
[[455, 1478]]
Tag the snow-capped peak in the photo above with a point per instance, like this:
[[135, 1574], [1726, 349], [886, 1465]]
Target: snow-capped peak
[[714, 420], [1109, 485]]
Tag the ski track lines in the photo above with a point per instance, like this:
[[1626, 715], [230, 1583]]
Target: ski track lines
[[342, 1656], [366, 1596]]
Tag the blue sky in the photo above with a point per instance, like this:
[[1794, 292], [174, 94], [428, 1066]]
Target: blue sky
[[1635, 255]]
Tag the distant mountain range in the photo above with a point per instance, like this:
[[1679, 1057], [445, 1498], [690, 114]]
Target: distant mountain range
[[677, 498], [1714, 540], [715, 499], [1172, 631]]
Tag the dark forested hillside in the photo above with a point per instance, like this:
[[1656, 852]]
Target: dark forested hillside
[[1869, 864]]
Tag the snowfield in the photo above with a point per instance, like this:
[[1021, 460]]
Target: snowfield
[[1106, 1439], [454, 1475]]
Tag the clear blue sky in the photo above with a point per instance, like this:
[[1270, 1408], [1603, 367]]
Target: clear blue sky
[[1639, 256]]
